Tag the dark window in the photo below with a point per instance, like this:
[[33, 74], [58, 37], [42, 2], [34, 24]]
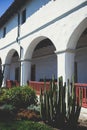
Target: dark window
[[33, 71], [4, 31], [23, 16], [17, 73], [76, 72]]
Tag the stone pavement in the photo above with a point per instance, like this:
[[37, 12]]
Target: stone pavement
[[83, 114]]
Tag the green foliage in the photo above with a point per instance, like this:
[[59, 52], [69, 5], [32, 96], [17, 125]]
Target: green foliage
[[74, 107], [19, 97], [58, 105], [34, 108], [53, 103], [3, 92], [23, 125]]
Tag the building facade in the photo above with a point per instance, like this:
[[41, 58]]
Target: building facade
[[41, 38]]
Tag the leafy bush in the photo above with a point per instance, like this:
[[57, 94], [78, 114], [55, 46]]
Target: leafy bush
[[23, 125], [19, 97], [3, 97]]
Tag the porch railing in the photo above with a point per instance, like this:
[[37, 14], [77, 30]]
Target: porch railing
[[11, 83], [38, 85], [80, 87]]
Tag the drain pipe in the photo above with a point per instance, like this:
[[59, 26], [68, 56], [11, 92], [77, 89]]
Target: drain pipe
[[21, 49]]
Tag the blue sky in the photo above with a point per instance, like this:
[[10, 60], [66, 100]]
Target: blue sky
[[4, 4]]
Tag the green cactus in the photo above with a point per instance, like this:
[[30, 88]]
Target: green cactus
[[53, 102], [58, 104], [73, 108]]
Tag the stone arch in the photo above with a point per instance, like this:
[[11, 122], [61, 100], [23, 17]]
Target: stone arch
[[11, 66], [81, 58], [39, 50], [33, 44], [9, 56], [72, 42], [78, 50]]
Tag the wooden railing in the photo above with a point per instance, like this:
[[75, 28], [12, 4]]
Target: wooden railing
[[81, 88], [11, 83], [38, 85]]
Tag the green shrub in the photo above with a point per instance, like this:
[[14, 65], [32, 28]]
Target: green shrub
[[23, 125], [3, 96], [19, 97]]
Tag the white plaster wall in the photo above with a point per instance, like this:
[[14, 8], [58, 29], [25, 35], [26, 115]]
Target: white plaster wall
[[49, 20], [54, 9], [6, 53], [45, 67], [46, 13], [64, 29], [11, 32], [65, 65]]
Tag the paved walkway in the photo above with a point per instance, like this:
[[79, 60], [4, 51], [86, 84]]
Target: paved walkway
[[83, 114]]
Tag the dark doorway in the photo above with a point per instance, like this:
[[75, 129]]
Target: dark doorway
[[17, 74], [33, 71]]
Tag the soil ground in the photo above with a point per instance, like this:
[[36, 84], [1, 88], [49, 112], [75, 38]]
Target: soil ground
[[82, 125]]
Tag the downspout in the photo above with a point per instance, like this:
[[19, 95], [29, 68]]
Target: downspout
[[18, 41]]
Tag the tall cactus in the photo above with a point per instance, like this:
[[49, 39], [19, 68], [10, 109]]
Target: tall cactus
[[58, 104], [53, 101], [73, 108]]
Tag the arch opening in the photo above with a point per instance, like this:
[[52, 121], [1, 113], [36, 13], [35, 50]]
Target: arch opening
[[77, 54], [81, 58], [12, 66], [43, 60]]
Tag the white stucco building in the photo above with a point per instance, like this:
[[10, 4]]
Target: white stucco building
[[41, 38]]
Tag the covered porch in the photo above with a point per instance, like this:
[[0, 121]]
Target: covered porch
[[41, 60], [45, 62]]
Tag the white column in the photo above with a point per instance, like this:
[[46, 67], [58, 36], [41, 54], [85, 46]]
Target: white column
[[66, 67], [69, 65], [61, 65], [25, 72], [65, 62], [6, 73]]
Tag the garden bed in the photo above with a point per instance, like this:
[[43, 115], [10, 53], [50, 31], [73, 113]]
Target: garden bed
[[23, 125]]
